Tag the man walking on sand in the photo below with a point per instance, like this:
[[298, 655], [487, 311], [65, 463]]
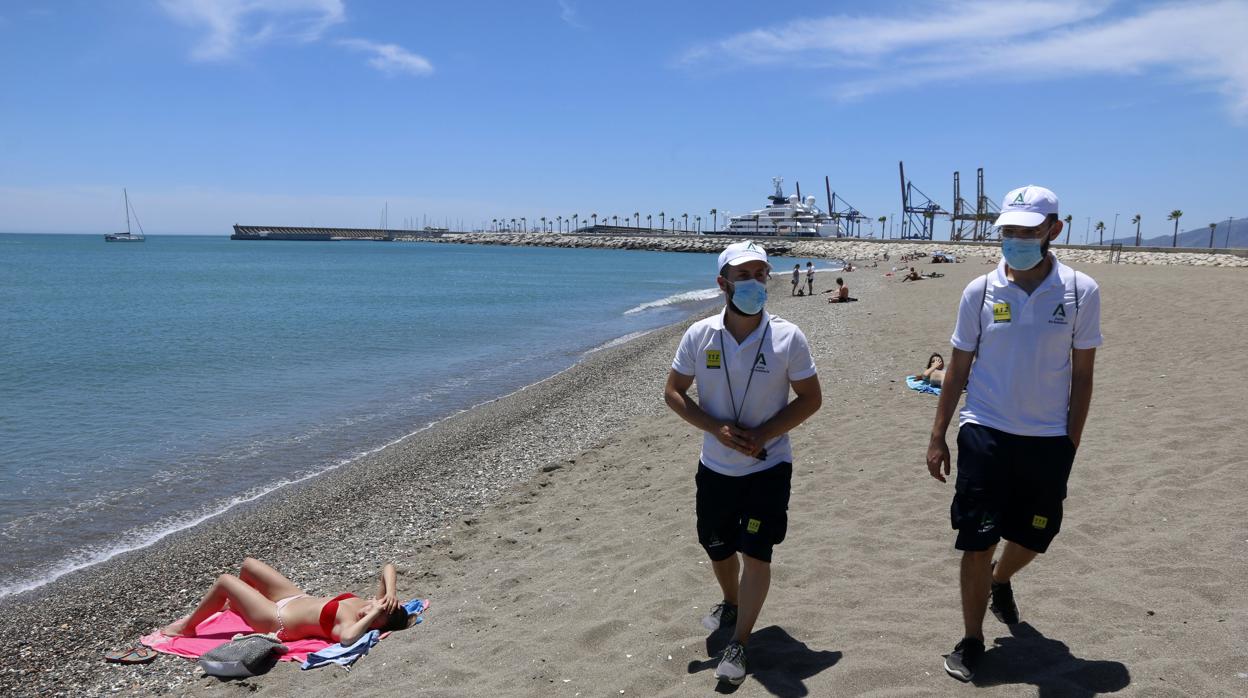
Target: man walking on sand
[[744, 361], [1026, 338]]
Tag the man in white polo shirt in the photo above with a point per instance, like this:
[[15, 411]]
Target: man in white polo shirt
[[744, 361], [1026, 339]]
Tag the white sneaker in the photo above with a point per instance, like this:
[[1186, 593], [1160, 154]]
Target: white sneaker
[[732, 664]]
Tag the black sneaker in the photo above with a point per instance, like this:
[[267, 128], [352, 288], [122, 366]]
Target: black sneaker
[[1002, 605], [962, 661], [722, 613]]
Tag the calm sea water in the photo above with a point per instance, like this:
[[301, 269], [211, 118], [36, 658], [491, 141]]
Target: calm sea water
[[145, 387]]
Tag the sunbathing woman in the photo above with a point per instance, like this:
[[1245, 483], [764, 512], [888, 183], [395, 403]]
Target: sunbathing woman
[[934, 374], [270, 602]]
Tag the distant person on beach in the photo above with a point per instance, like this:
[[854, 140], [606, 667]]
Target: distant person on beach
[[744, 362], [271, 603], [934, 374], [912, 276], [1026, 339], [797, 278], [810, 279], [842, 292]]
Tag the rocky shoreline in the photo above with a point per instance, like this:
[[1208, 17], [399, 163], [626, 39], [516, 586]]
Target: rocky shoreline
[[822, 248], [330, 534]]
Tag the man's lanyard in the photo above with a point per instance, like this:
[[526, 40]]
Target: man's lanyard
[[736, 414]]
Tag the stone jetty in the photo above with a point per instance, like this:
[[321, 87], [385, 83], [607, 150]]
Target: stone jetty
[[843, 249]]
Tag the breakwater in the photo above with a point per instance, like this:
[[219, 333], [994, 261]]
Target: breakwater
[[851, 249]]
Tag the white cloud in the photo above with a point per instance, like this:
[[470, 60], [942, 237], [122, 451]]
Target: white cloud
[[231, 25], [567, 13], [390, 58], [1199, 42]]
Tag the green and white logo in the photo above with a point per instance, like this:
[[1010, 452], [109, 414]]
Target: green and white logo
[[1018, 200]]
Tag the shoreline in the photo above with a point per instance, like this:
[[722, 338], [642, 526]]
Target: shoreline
[[81, 559], [133, 591]]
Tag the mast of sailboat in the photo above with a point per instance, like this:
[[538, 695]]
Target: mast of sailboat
[[126, 194]]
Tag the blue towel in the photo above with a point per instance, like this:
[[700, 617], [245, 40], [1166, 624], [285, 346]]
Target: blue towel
[[344, 656], [921, 386], [415, 607]]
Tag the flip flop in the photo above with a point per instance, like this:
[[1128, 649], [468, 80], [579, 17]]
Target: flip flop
[[136, 654]]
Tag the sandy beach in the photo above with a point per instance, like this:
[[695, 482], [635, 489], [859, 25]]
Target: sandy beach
[[553, 530]]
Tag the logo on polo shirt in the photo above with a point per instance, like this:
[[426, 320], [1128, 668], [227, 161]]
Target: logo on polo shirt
[[760, 364], [1000, 312], [712, 358], [1059, 315]]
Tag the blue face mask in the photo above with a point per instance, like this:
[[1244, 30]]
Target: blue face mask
[[748, 296], [1022, 254]]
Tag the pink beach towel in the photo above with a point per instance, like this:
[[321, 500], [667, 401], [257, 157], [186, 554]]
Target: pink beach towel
[[218, 629]]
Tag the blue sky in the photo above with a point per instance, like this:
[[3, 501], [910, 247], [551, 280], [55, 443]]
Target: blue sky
[[308, 112]]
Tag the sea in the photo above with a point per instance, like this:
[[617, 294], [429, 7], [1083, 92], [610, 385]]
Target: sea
[[145, 388]]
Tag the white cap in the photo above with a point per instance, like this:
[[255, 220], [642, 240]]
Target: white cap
[[1027, 206], [742, 252]]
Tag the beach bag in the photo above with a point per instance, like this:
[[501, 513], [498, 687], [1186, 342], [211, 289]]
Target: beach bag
[[246, 655]]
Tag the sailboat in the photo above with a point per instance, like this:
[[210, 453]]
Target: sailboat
[[127, 236]]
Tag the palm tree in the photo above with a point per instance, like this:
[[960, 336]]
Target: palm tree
[[595, 217], [1069, 218], [1100, 232], [575, 218], [559, 219], [698, 227], [649, 222], [1136, 220], [662, 219], [636, 219], [543, 224], [524, 224], [714, 220], [686, 217], [881, 220], [1211, 228], [494, 224], [1175, 215]]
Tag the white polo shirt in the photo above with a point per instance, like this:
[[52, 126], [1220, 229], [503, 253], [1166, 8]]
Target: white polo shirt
[[708, 352], [1020, 384]]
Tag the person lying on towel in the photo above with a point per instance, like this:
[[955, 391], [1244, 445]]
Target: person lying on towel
[[270, 602]]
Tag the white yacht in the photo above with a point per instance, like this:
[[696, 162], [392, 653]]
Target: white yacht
[[127, 236], [786, 215]]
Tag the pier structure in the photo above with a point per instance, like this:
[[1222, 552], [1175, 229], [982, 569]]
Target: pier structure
[[918, 210], [283, 232]]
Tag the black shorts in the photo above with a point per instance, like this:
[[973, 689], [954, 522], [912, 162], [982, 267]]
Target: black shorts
[[1009, 487], [747, 514]]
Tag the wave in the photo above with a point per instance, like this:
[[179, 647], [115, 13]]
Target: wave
[[619, 340], [705, 294]]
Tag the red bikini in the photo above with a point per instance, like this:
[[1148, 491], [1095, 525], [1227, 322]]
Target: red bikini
[[330, 611]]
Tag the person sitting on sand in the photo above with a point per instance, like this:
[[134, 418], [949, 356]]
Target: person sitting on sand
[[849, 266], [934, 374], [842, 292], [912, 276], [270, 602]]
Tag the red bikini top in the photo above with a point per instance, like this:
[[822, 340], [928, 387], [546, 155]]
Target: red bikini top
[[330, 611]]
